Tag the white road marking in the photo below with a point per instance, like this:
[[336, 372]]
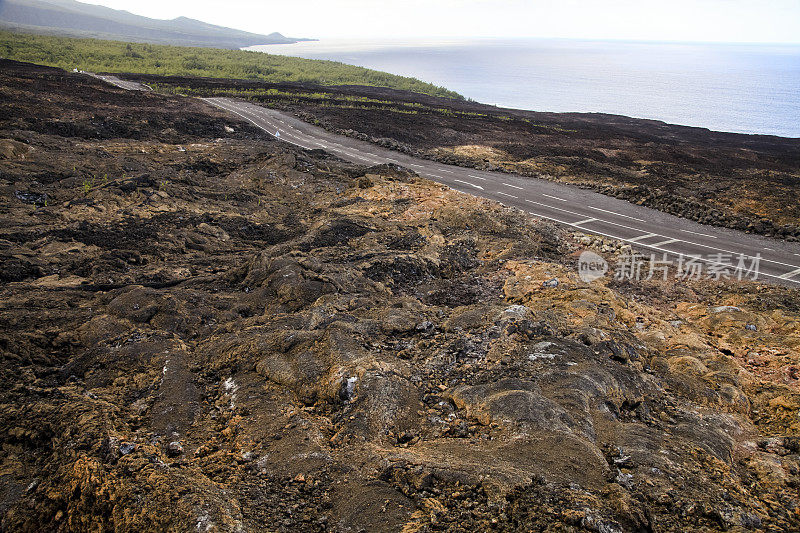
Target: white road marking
[[770, 249], [583, 215], [512, 186], [554, 197], [553, 219], [701, 234], [584, 221], [219, 103], [668, 241], [791, 274], [724, 250], [698, 258], [445, 170], [613, 213], [637, 229], [476, 177], [646, 236], [506, 194], [470, 184]]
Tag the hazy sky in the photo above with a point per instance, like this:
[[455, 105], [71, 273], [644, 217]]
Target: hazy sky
[[675, 20]]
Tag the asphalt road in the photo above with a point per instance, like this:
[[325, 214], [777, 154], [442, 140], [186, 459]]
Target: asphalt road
[[719, 252], [122, 84]]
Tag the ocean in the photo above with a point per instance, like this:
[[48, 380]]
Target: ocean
[[724, 87]]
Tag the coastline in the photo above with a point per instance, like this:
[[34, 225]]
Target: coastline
[[644, 79]]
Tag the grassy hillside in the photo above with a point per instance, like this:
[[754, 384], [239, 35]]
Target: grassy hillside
[[116, 56]]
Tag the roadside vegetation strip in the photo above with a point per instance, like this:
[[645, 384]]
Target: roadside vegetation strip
[[96, 55], [328, 100]]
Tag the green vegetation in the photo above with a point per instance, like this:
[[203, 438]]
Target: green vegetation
[[317, 99], [114, 56]]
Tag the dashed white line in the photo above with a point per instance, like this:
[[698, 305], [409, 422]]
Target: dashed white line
[[470, 184], [256, 121], [724, 250], [445, 170], [613, 213], [701, 234], [556, 220], [512, 186], [645, 236], [476, 177], [219, 104], [668, 241], [583, 215], [698, 258], [554, 197], [791, 274]]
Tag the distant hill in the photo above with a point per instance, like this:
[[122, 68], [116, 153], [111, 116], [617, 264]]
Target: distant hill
[[71, 18]]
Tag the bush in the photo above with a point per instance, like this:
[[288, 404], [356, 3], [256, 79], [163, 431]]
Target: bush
[[96, 55]]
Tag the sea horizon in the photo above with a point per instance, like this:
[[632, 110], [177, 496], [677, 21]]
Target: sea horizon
[[747, 88]]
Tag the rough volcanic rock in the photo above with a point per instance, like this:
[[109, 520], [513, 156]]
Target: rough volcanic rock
[[258, 343]]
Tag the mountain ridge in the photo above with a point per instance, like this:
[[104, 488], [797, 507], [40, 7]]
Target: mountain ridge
[[71, 18]]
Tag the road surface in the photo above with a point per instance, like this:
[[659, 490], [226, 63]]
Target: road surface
[[725, 252], [122, 84], [720, 250]]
